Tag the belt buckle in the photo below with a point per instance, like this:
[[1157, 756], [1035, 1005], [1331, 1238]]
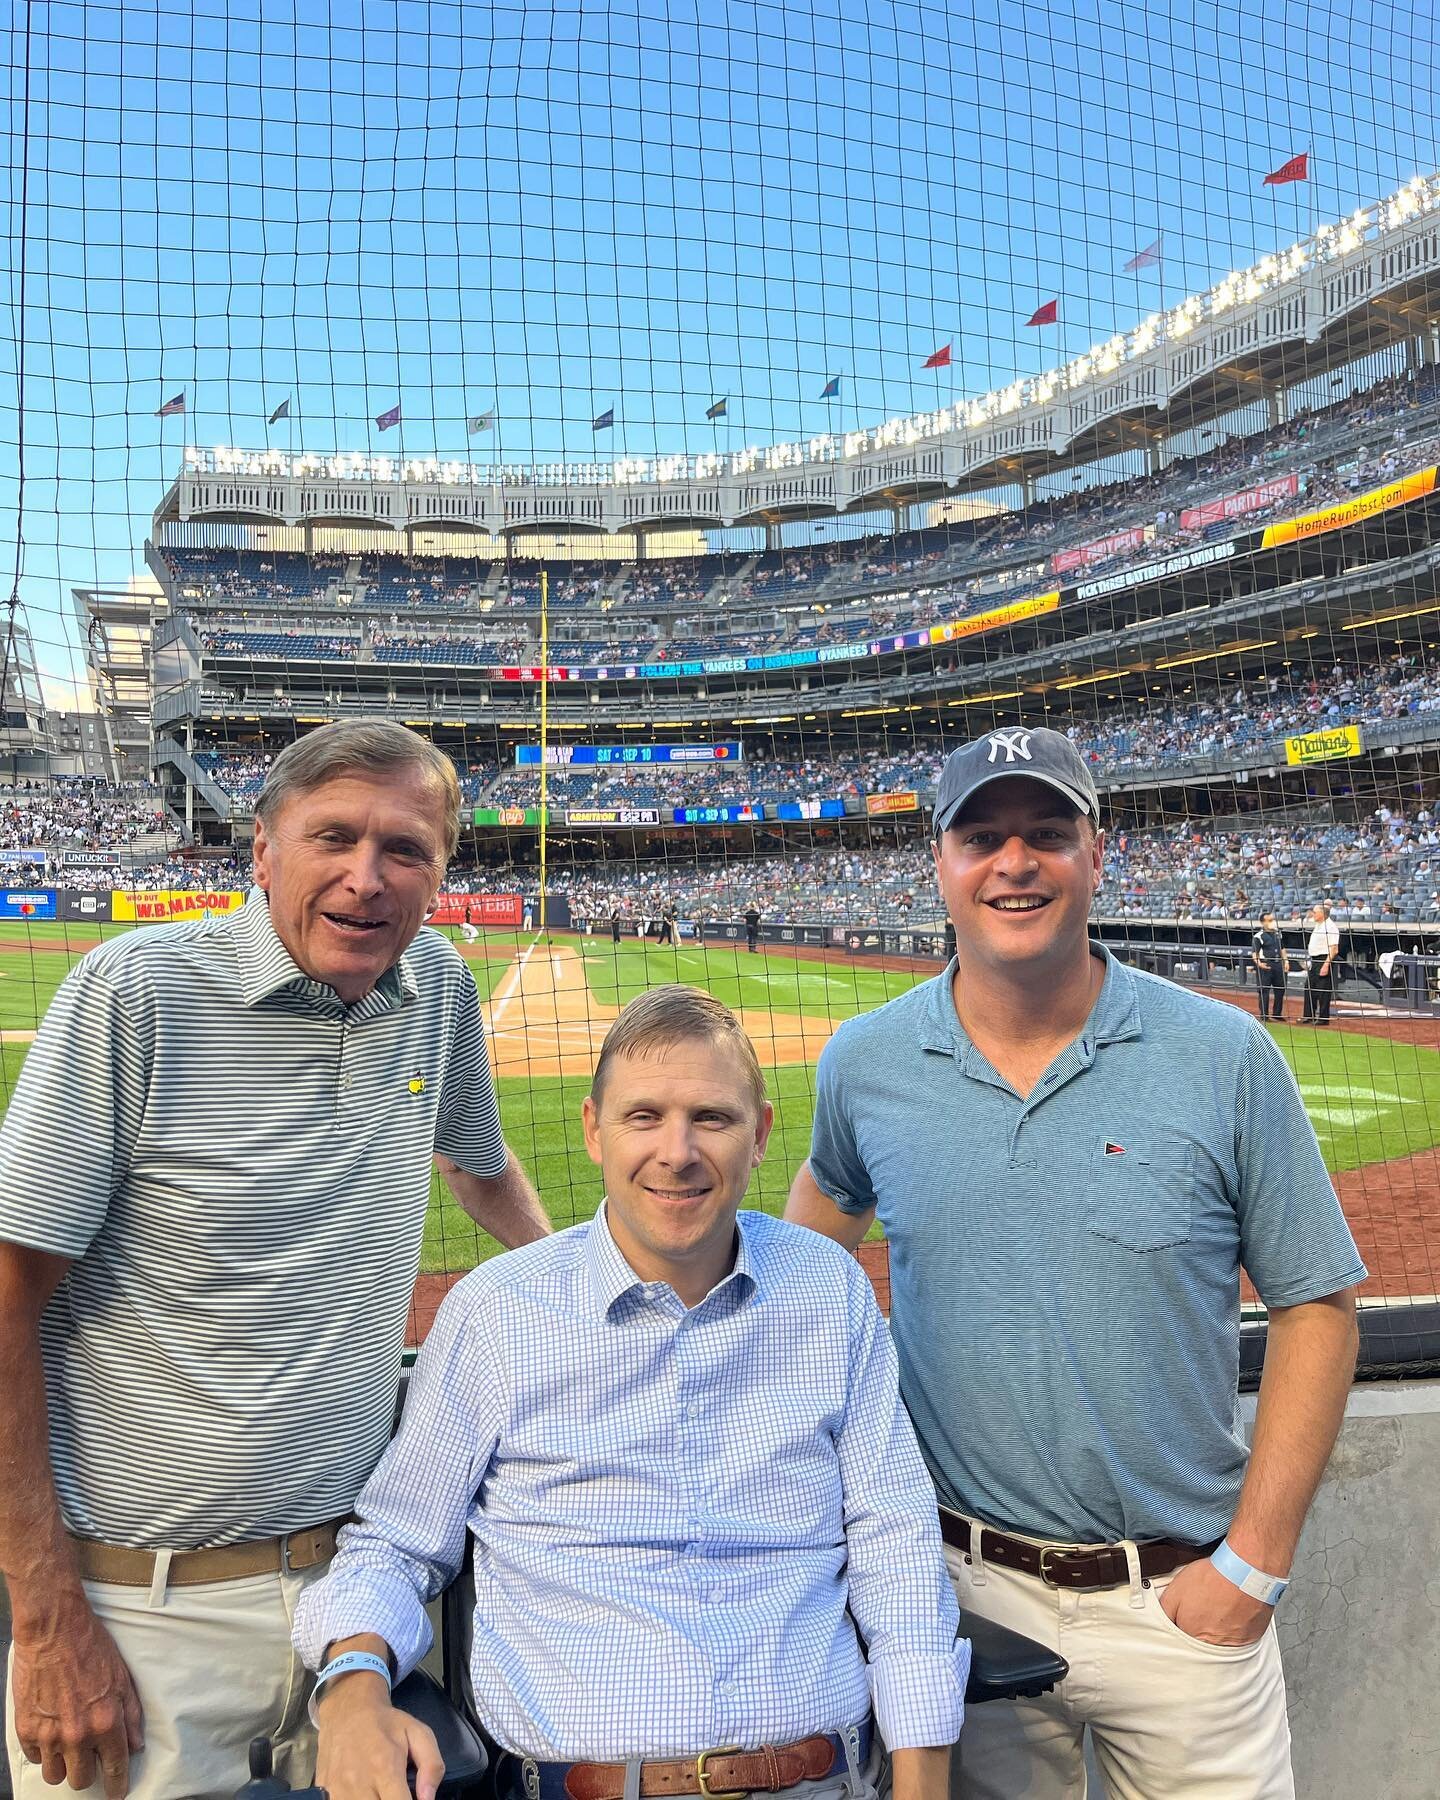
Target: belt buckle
[[1046, 1552], [702, 1774], [285, 1568]]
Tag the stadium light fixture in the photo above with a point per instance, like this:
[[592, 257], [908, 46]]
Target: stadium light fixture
[[1389, 618], [980, 699], [1182, 662]]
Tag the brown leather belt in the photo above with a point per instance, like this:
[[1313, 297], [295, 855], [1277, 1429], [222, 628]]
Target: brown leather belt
[[228, 1562], [715, 1774], [1082, 1567]]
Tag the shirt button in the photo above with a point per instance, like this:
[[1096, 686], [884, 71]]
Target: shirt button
[[729, 1689]]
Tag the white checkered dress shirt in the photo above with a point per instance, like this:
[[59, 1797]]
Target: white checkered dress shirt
[[692, 1528]]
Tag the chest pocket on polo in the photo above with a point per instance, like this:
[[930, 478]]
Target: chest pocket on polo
[[1142, 1192]]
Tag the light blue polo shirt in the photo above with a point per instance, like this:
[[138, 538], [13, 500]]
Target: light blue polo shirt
[[1065, 1269]]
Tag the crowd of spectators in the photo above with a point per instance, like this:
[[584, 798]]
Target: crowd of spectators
[[77, 815]]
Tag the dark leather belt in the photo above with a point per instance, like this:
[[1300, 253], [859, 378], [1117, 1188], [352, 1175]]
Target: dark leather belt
[[192, 1568], [723, 1774], [1075, 1567]]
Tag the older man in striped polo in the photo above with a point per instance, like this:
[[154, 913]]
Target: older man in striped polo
[[213, 1180]]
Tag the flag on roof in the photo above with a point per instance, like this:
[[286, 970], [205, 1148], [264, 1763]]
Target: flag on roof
[[940, 360], [717, 411], [1144, 259], [172, 406], [282, 411], [481, 422], [386, 419], [1048, 314], [1297, 169], [831, 389], [605, 420]]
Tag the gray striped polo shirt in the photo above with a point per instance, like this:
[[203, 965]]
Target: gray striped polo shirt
[[238, 1165]]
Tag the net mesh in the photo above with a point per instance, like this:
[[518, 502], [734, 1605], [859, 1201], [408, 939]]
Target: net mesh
[[807, 390]]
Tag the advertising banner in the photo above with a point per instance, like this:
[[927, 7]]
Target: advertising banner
[[507, 815], [476, 909], [1101, 549], [1235, 506], [807, 809], [613, 815], [995, 618], [717, 815], [95, 908], [1351, 512], [892, 803], [1179, 564], [169, 904], [27, 903], [32, 859], [1323, 746], [561, 755]]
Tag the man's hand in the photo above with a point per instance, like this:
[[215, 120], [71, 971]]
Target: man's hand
[[75, 1703], [367, 1745], [1205, 1605]]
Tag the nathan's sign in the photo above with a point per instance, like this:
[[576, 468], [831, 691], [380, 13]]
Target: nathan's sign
[[506, 815], [995, 618], [181, 903], [1323, 746], [1351, 512], [892, 803], [1235, 506]]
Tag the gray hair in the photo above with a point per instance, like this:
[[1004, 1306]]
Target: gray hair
[[360, 747]]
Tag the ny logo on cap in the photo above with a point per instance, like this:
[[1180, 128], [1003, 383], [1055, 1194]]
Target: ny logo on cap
[[1013, 743]]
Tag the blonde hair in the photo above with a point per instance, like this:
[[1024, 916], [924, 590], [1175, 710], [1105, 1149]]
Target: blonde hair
[[675, 1014]]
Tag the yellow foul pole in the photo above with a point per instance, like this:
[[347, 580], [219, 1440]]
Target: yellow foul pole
[[544, 728]]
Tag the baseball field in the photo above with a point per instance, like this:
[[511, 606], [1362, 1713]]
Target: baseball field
[[1371, 1083]]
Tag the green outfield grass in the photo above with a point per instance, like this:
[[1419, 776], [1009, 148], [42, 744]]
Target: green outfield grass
[[1370, 1098]]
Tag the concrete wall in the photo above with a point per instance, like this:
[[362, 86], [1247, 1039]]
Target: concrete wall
[[1360, 1627]]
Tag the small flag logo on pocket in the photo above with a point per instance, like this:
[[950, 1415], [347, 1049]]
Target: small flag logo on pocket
[[417, 1084], [1113, 1149]]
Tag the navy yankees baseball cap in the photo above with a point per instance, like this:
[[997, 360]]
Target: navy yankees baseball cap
[[1039, 753]]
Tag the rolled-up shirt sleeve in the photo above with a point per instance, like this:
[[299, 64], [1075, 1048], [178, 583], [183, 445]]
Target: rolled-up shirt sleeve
[[408, 1539], [899, 1592], [835, 1159]]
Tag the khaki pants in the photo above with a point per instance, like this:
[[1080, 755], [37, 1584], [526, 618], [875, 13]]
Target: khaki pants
[[214, 1667], [1170, 1718]]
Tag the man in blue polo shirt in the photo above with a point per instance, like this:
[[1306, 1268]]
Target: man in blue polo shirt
[[1073, 1161]]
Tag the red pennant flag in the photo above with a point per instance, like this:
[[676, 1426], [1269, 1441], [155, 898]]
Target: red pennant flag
[[1297, 169], [1048, 314], [940, 360]]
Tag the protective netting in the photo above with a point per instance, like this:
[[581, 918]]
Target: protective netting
[[806, 390]]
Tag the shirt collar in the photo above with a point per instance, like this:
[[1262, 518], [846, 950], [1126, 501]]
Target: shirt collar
[[267, 967], [612, 1278], [1114, 1017]]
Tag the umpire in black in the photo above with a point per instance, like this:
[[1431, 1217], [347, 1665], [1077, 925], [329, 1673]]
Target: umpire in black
[[1272, 966]]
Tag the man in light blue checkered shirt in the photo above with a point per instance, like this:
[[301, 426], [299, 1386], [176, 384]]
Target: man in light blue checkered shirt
[[699, 1512]]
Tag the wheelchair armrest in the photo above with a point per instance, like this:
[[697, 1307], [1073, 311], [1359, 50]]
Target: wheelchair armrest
[[1006, 1666], [460, 1747]]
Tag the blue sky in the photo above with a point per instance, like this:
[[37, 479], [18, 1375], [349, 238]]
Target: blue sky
[[648, 204]]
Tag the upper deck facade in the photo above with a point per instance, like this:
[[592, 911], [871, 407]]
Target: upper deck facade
[[1368, 283]]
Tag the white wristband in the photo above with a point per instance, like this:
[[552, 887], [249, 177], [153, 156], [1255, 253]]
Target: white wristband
[[1265, 1588], [348, 1664]]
